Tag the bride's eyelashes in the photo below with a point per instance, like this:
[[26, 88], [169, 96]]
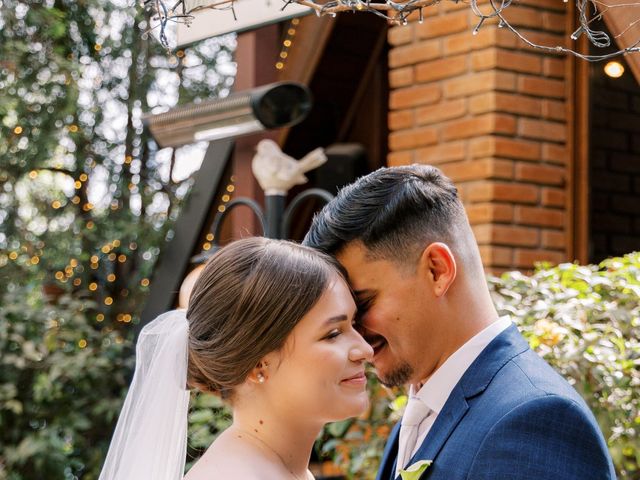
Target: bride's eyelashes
[[336, 332], [333, 334]]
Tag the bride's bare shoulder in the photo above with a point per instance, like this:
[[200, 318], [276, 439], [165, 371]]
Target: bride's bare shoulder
[[230, 458]]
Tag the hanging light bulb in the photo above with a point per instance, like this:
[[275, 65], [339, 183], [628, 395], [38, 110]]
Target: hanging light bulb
[[614, 69]]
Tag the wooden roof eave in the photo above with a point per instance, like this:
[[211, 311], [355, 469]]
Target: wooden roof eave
[[312, 35], [625, 34]]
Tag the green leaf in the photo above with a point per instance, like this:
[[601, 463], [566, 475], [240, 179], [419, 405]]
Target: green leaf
[[413, 472]]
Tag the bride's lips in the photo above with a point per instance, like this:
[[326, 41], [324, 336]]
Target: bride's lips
[[359, 379]]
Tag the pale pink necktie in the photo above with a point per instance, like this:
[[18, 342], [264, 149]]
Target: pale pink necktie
[[414, 415]]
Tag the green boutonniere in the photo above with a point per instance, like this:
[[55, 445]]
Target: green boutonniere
[[413, 472]]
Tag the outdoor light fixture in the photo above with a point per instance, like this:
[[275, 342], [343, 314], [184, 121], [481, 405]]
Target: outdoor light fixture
[[614, 69], [271, 106]]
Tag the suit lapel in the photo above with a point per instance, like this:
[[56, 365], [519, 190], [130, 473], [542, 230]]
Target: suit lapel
[[390, 455], [475, 380], [451, 414]]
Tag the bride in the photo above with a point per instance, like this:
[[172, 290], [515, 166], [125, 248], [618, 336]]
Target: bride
[[269, 328]]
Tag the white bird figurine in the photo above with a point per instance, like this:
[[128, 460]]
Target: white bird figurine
[[277, 172]]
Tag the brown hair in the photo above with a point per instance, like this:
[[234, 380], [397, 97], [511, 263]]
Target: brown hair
[[249, 297]]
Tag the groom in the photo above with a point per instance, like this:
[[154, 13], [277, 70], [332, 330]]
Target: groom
[[482, 405]]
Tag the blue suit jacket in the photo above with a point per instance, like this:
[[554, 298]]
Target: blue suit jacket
[[511, 417]]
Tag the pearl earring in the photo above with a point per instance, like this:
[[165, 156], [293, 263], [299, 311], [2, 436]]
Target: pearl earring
[[260, 377]]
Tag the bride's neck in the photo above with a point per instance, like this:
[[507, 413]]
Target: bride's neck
[[290, 438]]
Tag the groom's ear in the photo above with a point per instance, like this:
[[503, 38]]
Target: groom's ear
[[439, 265]]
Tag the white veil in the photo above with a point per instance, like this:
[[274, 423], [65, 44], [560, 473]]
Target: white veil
[[150, 439]]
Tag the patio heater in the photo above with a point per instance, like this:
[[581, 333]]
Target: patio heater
[[219, 121]]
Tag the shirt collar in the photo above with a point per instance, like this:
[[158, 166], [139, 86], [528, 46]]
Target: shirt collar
[[436, 390]]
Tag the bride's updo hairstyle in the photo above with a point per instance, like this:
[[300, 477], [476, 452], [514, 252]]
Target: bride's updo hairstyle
[[249, 297]]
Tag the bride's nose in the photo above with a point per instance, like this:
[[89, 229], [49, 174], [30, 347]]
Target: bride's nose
[[360, 351]]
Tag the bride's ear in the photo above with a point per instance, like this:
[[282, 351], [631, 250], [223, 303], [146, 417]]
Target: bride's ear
[[260, 373]]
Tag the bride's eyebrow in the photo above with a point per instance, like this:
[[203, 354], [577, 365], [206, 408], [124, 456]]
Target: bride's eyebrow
[[335, 319]]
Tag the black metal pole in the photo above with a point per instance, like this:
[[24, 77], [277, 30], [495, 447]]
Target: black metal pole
[[274, 211]]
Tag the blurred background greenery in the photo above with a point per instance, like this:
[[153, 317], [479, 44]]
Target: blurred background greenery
[[86, 202]]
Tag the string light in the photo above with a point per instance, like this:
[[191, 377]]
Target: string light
[[108, 301], [33, 174], [399, 12], [614, 69], [122, 258], [144, 282], [17, 130], [13, 255], [111, 277], [93, 286], [286, 45], [82, 343], [100, 317]]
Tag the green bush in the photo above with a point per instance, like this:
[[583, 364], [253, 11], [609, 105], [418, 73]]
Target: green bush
[[583, 320], [62, 380]]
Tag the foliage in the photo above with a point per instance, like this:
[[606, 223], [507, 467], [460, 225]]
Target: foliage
[[208, 417], [86, 202], [583, 320], [61, 385], [86, 197]]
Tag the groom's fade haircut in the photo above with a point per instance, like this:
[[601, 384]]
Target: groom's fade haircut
[[395, 212]]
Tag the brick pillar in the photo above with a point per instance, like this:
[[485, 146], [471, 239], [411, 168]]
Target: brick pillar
[[491, 113]]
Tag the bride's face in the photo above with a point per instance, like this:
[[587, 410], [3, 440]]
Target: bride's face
[[320, 372]]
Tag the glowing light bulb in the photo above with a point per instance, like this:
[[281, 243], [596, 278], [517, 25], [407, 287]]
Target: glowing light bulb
[[614, 69]]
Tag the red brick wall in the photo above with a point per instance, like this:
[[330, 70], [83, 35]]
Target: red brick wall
[[615, 164], [492, 115]]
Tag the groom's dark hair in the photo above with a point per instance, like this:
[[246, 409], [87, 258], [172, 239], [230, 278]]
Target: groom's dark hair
[[395, 213]]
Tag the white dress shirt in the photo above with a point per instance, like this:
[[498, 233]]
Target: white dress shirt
[[436, 390]]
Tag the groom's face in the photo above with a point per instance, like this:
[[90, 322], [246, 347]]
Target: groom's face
[[397, 314]]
